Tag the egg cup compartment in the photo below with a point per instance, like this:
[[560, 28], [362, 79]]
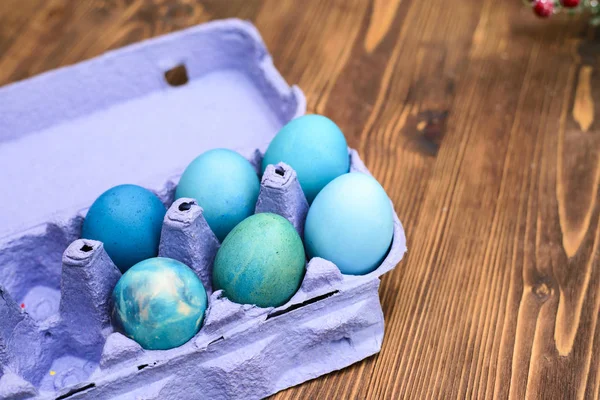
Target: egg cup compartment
[[56, 339]]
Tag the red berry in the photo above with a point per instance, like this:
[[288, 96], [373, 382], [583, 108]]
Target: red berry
[[543, 8], [569, 3]]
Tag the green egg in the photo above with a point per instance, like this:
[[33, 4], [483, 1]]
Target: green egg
[[260, 262]]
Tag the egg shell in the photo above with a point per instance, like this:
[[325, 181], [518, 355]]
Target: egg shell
[[315, 147], [159, 303], [128, 220], [225, 185], [262, 262], [350, 223]]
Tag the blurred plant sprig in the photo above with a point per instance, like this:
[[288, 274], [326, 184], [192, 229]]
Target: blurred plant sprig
[[545, 8]]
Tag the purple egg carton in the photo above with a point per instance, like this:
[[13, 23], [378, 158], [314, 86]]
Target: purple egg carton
[[68, 135]]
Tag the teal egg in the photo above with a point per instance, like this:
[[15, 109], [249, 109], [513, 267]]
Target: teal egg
[[225, 185], [260, 262], [314, 147], [128, 220], [159, 303], [350, 223]]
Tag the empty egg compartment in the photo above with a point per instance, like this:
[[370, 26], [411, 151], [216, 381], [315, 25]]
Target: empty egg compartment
[[56, 339]]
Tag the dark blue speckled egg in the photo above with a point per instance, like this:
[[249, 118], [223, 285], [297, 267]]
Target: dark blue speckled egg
[[128, 220]]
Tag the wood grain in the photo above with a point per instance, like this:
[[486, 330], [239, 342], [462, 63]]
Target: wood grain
[[478, 119]]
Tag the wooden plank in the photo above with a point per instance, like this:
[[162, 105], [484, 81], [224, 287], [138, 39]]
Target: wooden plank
[[480, 122]]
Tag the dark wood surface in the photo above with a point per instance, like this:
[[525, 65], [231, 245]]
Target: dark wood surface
[[478, 119]]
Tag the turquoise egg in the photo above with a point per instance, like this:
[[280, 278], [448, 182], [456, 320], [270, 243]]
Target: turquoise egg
[[350, 223], [159, 303], [314, 147], [128, 220], [225, 185], [260, 262]]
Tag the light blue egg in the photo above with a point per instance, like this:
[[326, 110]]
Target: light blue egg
[[315, 148], [260, 262], [128, 220], [159, 303], [350, 223], [225, 185]]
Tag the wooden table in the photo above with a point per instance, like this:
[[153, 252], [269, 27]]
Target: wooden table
[[478, 119]]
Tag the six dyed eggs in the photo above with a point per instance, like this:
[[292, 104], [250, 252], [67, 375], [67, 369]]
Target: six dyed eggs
[[315, 147], [128, 220], [159, 303], [225, 185], [350, 223], [261, 261]]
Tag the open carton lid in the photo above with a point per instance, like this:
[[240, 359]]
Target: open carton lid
[[68, 135]]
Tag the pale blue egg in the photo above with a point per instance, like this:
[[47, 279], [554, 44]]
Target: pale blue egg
[[315, 147], [350, 223], [225, 185]]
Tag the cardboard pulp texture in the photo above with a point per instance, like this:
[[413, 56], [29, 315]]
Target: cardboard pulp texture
[[68, 135]]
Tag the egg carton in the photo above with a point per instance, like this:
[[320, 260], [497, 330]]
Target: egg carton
[[68, 135]]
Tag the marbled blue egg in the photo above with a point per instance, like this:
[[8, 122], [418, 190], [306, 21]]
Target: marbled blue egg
[[261, 261], [315, 147], [128, 220], [159, 303], [225, 185], [350, 223]]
